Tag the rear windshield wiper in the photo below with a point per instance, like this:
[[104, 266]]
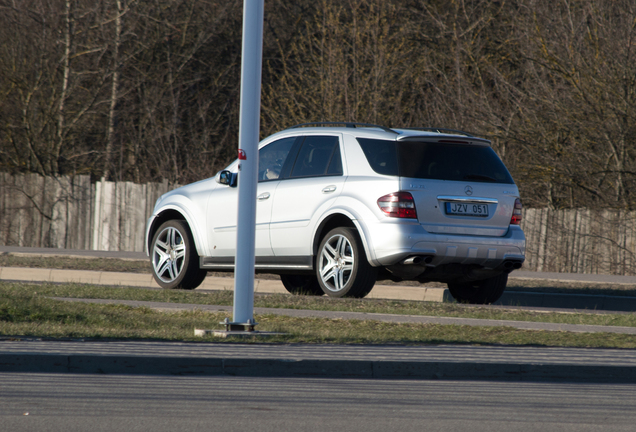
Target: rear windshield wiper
[[479, 177]]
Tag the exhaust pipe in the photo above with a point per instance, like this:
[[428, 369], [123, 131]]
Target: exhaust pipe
[[414, 260], [512, 265]]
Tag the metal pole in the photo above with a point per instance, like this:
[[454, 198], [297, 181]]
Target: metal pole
[[249, 124]]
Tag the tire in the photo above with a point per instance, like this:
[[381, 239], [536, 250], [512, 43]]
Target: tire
[[175, 262], [342, 268], [480, 292], [302, 284]]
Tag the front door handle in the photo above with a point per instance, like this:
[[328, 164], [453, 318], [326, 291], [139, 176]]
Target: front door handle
[[263, 196], [329, 189]]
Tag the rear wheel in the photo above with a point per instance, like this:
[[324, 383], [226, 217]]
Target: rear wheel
[[175, 261], [342, 267], [485, 291], [301, 284]]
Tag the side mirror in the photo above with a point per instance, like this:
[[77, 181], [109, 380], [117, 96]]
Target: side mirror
[[226, 177]]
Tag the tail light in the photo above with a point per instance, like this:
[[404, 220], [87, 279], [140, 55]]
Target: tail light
[[516, 213], [399, 205]]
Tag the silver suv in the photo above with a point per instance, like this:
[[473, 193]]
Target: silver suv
[[343, 205]]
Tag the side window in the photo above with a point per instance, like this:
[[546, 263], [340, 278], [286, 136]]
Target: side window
[[318, 156], [335, 166], [272, 157], [381, 154]]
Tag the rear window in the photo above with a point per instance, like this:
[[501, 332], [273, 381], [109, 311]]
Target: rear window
[[435, 161]]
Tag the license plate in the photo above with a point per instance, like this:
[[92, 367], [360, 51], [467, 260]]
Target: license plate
[[467, 209]]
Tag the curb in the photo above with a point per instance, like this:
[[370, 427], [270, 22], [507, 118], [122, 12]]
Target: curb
[[286, 368], [568, 301]]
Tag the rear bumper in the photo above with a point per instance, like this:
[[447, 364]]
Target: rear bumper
[[393, 243]]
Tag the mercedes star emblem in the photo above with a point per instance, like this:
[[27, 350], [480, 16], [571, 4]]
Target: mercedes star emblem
[[468, 190]]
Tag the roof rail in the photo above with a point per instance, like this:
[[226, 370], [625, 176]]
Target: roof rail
[[345, 124], [440, 130]]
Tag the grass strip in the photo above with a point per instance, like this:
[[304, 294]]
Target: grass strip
[[225, 298], [27, 313], [94, 264]]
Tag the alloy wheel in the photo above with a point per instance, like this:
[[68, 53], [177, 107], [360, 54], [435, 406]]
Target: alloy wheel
[[168, 256], [336, 263]]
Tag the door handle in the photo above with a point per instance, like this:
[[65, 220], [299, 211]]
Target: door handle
[[329, 189], [263, 196]]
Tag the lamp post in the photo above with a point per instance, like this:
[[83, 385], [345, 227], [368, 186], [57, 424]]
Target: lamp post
[[249, 126]]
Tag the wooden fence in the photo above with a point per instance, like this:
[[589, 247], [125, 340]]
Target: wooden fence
[[580, 241], [72, 213]]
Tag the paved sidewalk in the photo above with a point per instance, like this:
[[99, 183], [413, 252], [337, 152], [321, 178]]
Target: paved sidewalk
[[321, 361], [210, 283], [141, 256], [392, 292]]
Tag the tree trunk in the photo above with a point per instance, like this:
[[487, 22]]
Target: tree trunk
[[110, 134], [66, 65]]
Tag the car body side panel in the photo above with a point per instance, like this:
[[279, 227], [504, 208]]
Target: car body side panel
[[190, 202], [222, 218], [297, 209]]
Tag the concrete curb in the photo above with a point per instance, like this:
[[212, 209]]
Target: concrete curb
[[314, 368], [568, 301], [452, 362]]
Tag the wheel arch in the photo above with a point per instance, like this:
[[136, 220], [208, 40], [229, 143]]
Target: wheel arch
[[164, 216], [340, 219]]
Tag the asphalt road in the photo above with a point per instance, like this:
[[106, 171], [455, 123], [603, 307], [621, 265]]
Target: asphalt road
[[48, 402]]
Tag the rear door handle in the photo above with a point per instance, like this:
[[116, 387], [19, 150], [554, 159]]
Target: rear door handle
[[263, 196], [329, 189]]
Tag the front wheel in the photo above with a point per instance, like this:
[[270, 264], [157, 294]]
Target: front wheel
[[485, 291], [175, 261], [342, 267]]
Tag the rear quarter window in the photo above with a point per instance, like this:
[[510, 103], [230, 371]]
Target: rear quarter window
[[381, 154]]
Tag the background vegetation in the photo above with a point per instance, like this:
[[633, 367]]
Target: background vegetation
[[149, 90]]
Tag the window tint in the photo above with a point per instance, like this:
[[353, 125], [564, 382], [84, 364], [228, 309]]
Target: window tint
[[381, 154], [272, 157], [335, 166], [316, 156], [436, 161], [444, 161]]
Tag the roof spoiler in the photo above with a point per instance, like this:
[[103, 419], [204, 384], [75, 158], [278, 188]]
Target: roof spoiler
[[445, 139], [440, 130]]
